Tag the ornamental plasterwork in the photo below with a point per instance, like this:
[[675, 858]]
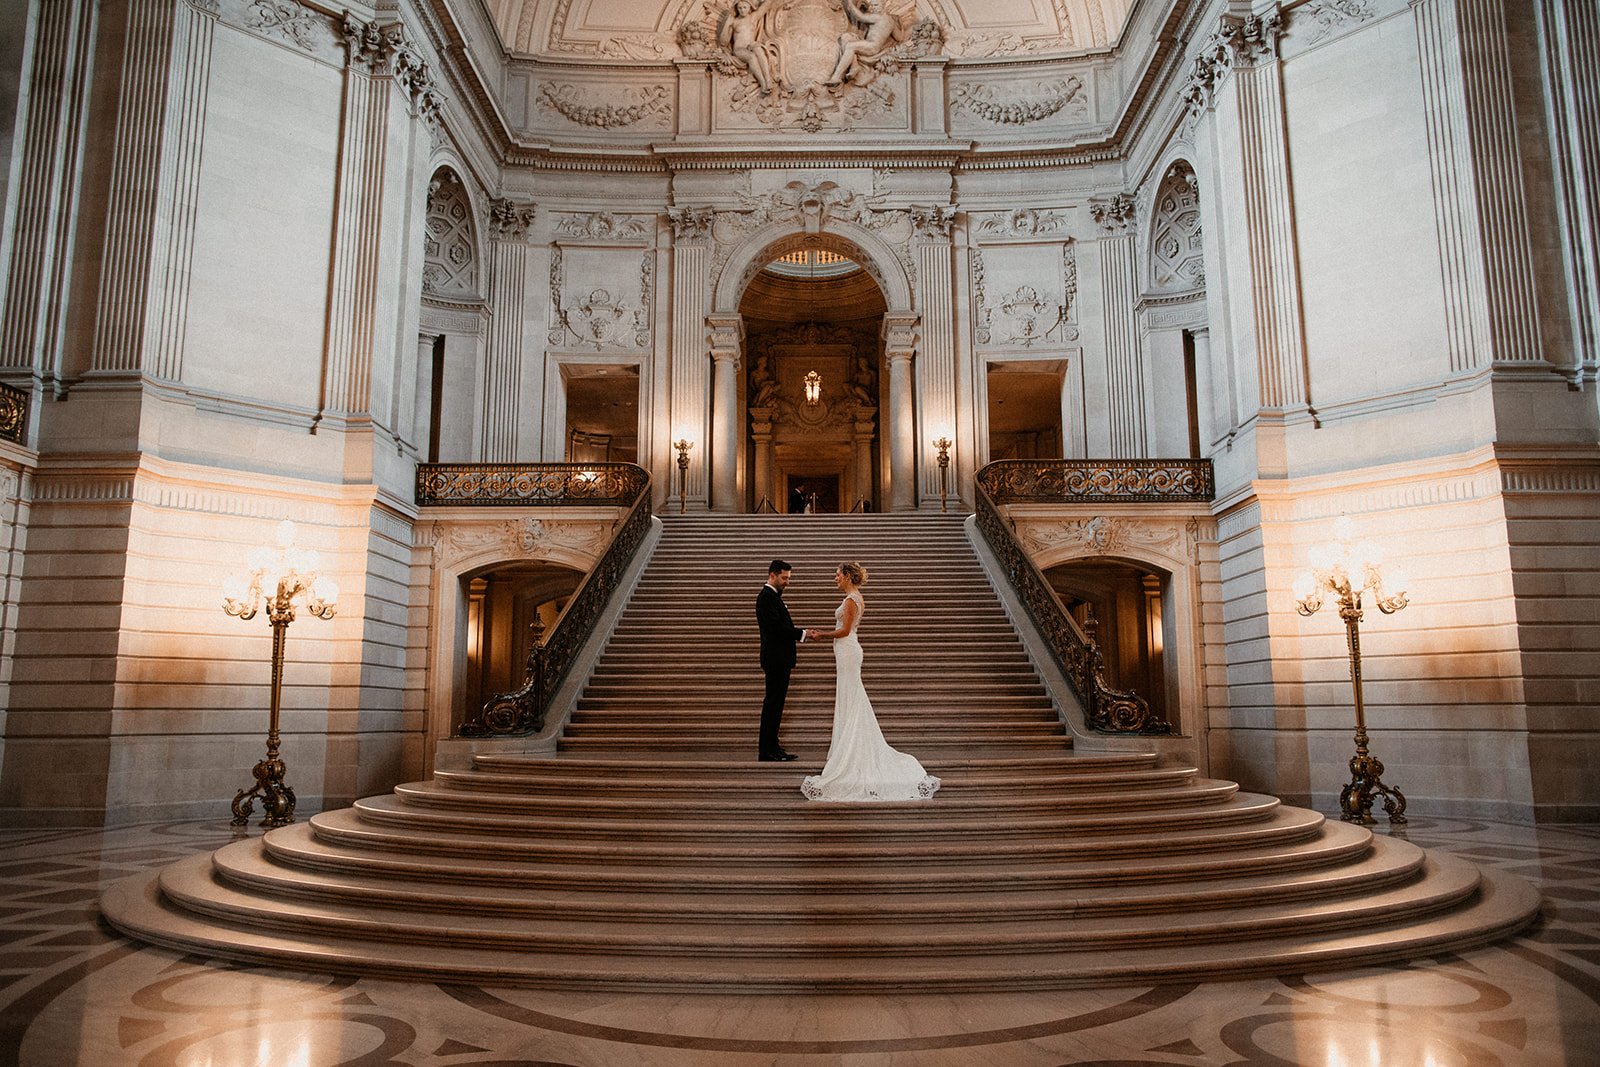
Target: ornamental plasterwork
[[1115, 214], [810, 64], [1328, 15], [842, 404], [691, 223], [509, 220], [813, 208], [1023, 222], [632, 107], [1177, 260], [382, 49], [1015, 105], [1236, 42], [1024, 317], [604, 226], [449, 251], [519, 539], [1100, 535], [287, 21], [600, 319]]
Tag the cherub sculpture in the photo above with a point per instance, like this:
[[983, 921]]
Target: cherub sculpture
[[746, 32], [881, 29]]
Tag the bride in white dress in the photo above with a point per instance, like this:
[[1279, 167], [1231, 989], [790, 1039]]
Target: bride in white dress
[[861, 765]]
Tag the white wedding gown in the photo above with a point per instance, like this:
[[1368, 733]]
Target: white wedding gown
[[861, 765]]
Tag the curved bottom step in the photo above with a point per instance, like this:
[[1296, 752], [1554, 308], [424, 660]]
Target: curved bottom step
[[1502, 905]]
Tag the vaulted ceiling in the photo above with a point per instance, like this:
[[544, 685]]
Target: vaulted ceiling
[[647, 29]]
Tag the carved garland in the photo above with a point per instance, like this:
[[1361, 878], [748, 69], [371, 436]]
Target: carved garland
[[1003, 107], [643, 103]]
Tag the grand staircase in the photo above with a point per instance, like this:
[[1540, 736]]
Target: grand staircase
[[654, 852]]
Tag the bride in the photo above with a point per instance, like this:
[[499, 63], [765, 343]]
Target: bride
[[861, 765]]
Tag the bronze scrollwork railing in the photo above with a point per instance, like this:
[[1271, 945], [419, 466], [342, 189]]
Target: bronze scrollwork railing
[[13, 414], [1077, 482], [522, 711], [1098, 481], [530, 484]]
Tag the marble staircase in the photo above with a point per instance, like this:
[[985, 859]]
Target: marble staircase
[[653, 852]]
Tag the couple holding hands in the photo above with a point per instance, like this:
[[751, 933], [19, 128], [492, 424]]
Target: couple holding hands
[[861, 765]]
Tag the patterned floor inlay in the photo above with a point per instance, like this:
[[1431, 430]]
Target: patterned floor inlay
[[72, 991]]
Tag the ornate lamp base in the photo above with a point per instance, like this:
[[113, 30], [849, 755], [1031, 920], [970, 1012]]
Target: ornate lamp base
[[277, 799], [1366, 785]]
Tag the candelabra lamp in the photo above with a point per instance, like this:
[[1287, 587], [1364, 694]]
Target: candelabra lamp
[[1347, 569], [683, 445], [290, 573], [943, 445]]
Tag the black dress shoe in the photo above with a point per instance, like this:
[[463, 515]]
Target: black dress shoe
[[777, 757]]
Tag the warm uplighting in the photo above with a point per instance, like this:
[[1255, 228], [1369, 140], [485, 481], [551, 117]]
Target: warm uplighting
[[813, 387], [1348, 568], [290, 573], [683, 444]]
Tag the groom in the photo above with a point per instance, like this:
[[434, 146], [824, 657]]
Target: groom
[[779, 638]]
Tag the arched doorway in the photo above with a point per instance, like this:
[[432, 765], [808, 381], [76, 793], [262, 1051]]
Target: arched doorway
[[813, 381]]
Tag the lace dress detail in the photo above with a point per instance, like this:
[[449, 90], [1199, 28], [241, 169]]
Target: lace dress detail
[[861, 765]]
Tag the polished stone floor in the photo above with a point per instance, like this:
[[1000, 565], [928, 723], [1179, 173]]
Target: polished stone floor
[[74, 992]]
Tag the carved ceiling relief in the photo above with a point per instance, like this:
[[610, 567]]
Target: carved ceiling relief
[[601, 317], [1022, 316], [810, 64], [1177, 260], [449, 250], [604, 226]]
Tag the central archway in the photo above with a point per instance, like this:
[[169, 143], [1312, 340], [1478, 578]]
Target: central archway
[[891, 477]]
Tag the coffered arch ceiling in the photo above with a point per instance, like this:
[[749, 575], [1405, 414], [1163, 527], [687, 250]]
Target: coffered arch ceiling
[[635, 30]]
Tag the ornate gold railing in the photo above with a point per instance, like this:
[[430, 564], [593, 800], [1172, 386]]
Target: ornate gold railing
[[1076, 482], [1097, 481], [522, 711], [13, 414], [530, 484]]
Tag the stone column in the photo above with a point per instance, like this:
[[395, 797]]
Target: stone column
[[727, 336], [689, 389], [1572, 30], [1210, 402], [899, 348], [761, 433], [936, 355], [862, 440], [508, 224], [419, 420], [1119, 292]]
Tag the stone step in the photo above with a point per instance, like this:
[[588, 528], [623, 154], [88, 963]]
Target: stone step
[[994, 813]]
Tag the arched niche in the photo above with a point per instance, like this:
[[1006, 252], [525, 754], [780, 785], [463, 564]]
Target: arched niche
[[779, 239], [450, 255], [1176, 254]]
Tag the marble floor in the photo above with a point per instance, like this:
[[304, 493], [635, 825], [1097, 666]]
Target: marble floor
[[74, 992]]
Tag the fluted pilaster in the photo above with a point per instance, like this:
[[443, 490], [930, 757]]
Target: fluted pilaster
[[508, 297], [1119, 292], [150, 218], [1480, 204], [35, 281], [936, 364], [1571, 30], [691, 263]]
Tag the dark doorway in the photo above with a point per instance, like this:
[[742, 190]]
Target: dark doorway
[[817, 492]]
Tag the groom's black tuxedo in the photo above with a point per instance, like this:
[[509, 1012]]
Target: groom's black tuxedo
[[779, 638]]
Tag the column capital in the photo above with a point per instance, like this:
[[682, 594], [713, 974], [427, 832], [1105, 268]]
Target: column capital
[[509, 219], [900, 335], [1116, 215], [725, 335]]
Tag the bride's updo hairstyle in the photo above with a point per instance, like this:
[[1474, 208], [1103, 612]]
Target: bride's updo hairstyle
[[854, 573]]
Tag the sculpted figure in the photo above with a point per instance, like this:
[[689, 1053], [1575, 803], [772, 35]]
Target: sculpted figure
[[766, 384], [880, 30], [743, 33]]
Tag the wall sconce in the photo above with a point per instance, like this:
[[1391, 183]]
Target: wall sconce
[[943, 445], [683, 445], [1347, 568], [291, 572], [813, 387]]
